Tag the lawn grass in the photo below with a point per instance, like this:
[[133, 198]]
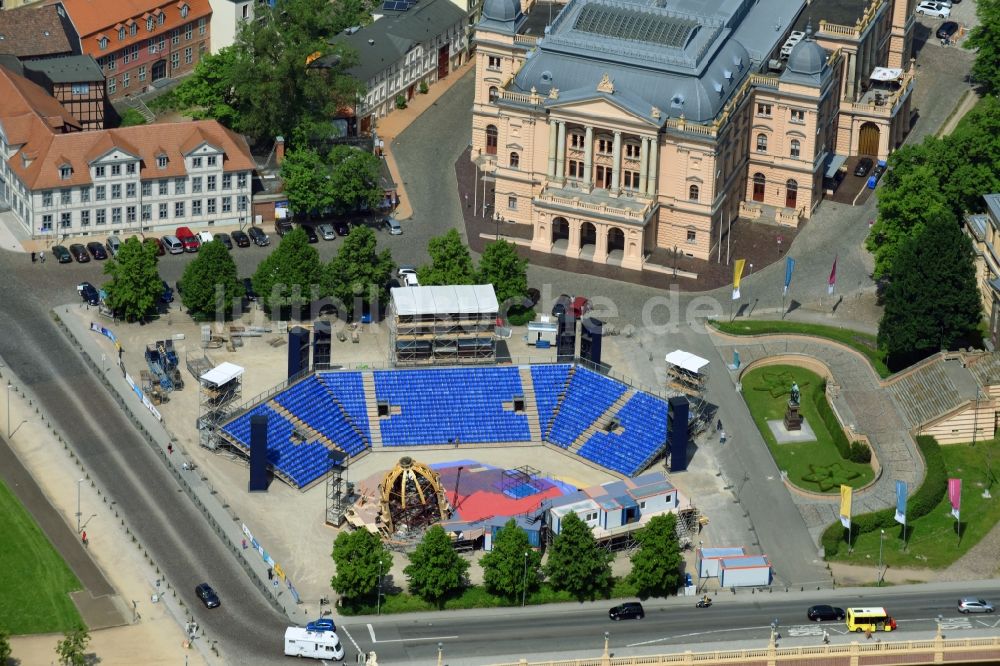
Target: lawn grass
[[35, 582], [814, 466], [865, 343], [932, 540]]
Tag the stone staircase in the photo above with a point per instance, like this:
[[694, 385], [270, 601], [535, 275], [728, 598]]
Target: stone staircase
[[141, 108], [530, 408], [371, 403], [925, 393], [347, 417], [602, 421]]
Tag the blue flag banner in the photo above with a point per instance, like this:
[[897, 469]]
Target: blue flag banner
[[789, 269], [901, 502]]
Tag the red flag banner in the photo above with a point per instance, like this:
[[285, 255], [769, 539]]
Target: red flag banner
[[832, 282]]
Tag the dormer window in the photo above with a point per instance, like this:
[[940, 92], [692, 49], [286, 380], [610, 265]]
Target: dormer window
[[103, 43], [65, 172], [161, 161], [121, 34], [184, 11], [160, 18], [149, 23], [133, 29]]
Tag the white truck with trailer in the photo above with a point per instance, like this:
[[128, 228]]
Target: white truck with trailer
[[301, 642]]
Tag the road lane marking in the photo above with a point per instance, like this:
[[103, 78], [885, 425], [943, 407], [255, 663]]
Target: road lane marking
[[356, 646], [697, 633], [371, 632], [805, 630], [987, 624]]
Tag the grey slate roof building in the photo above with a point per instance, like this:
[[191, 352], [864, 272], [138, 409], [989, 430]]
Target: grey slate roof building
[[31, 32]]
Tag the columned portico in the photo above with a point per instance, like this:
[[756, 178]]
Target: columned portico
[[616, 162], [561, 153], [601, 246], [654, 150], [644, 165], [553, 135], [588, 157]]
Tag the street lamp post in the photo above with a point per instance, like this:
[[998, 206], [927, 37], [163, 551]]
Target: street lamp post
[[440, 653], [78, 512], [607, 639], [8, 411], [378, 601], [524, 579], [881, 539]]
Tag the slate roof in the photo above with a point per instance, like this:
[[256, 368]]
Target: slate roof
[[67, 69], [32, 32]]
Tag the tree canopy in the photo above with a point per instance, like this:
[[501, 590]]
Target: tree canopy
[[136, 285], [304, 175], [576, 563], [984, 38], [72, 649], [435, 569], [511, 568], [354, 179], [358, 274], [361, 559], [507, 272], [656, 565], [932, 302], [289, 277], [210, 283], [4, 646], [451, 262]]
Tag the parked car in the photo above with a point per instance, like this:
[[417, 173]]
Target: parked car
[[79, 253], [248, 291], [168, 294], [207, 595], [258, 236], [323, 624], [89, 293], [392, 224], [310, 233], [933, 9], [408, 276], [188, 239], [946, 30], [282, 227], [61, 254], [823, 613], [96, 250], [205, 237], [974, 605], [631, 610], [241, 239], [326, 231], [114, 244], [342, 228], [562, 304], [153, 241], [173, 244], [225, 240], [864, 166]]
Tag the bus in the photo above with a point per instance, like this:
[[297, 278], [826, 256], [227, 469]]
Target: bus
[[869, 619]]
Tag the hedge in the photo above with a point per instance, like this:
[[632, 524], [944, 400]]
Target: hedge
[[919, 504], [854, 451]]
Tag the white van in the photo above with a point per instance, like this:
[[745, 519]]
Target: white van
[[205, 237], [301, 642], [173, 244]]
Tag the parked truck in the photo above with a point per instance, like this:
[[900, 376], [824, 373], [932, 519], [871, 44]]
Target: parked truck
[[301, 642]]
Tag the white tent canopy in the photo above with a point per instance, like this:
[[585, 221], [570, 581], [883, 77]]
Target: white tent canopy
[[222, 374], [686, 361], [886, 74], [445, 300]]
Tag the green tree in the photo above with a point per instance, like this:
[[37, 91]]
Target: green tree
[[354, 178], [656, 565], [361, 560], [289, 277], [210, 283], [984, 39], [508, 273], [359, 274], [305, 177], [72, 648], [511, 569], [208, 92], [435, 569], [5, 650], [932, 302], [576, 563], [135, 285], [450, 261], [131, 117]]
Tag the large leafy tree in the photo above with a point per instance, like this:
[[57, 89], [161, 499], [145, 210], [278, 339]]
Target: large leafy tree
[[361, 559], [359, 274], [305, 177], [932, 302], [210, 284], [984, 38], [507, 272], [135, 285], [290, 276], [435, 569], [511, 569], [354, 178], [656, 565], [72, 649], [451, 262], [208, 92], [4, 647], [576, 563]]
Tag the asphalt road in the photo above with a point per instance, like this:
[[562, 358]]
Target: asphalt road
[[577, 631]]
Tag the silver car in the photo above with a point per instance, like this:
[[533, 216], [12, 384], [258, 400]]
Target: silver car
[[326, 231], [974, 605]]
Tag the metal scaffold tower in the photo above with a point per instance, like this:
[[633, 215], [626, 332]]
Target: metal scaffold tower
[[339, 491], [221, 391]]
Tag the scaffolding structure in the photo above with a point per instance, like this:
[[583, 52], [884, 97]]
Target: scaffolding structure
[[519, 477], [221, 391], [685, 373], [339, 490], [443, 325]]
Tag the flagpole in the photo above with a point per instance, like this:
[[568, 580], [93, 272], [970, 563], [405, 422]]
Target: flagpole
[[719, 259], [729, 236]]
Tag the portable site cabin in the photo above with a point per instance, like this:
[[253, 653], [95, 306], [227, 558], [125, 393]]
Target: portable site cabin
[[301, 642], [543, 331], [746, 571], [532, 528], [709, 558], [617, 503]]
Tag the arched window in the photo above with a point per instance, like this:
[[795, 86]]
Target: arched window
[[491, 139], [795, 148], [758, 186], [515, 160], [761, 143], [791, 193], [693, 193], [494, 93]]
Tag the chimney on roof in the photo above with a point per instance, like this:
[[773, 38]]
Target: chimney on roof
[[279, 149]]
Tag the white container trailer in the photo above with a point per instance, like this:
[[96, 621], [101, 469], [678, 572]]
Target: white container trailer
[[747, 571], [301, 642], [709, 558]]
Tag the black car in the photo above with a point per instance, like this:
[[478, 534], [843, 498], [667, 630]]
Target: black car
[[250, 294], [311, 233], [822, 613], [947, 29], [97, 250], [864, 166], [563, 304], [342, 228], [168, 294], [241, 239], [631, 610], [282, 227], [79, 253], [207, 595], [225, 240], [258, 236], [88, 293], [61, 254]]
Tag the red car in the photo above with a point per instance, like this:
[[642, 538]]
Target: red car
[[188, 239]]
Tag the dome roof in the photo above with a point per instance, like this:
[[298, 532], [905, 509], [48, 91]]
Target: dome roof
[[502, 10], [807, 57]]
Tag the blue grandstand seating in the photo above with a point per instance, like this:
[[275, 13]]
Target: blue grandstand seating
[[644, 422], [310, 401], [588, 395], [441, 405], [549, 382], [349, 389]]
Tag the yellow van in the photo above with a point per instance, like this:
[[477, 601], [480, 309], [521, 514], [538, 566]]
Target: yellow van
[[869, 619]]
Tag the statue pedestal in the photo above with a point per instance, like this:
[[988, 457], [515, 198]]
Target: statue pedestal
[[793, 420]]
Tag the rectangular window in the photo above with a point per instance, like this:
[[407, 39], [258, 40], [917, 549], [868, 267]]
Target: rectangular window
[[605, 146], [178, 209], [798, 116], [162, 187], [147, 212], [210, 183], [101, 192], [575, 168], [210, 206], [130, 168], [147, 188], [227, 181], [227, 204], [116, 169], [576, 141], [163, 211], [110, 62], [196, 207], [632, 151], [81, 88], [85, 194], [161, 161], [242, 202], [116, 215], [175, 36], [630, 179], [493, 62], [99, 172], [65, 172], [202, 27], [692, 235], [84, 218], [241, 180], [130, 190], [65, 220], [116, 191], [512, 203], [65, 197], [175, 60], [212, 160], [196, 185], [188, 55], [188, 31], [47, 222], [130, 212], [180, 185], [764, 110], [102, 216], [195, 162]]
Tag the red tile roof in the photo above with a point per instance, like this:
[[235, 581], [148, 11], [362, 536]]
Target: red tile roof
[[93, 16], [33, 31]]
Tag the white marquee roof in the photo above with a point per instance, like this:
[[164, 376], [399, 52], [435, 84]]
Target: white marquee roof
[[450, 299], [686, 361], [222, 374]]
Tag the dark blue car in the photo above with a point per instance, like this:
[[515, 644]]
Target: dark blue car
[[168, 294], [324, 624]]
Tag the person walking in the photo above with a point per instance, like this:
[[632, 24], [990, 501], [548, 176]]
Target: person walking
[[826, 637], [83, 537], [34, 256], [41, 256], [170, 449], [722, 437]]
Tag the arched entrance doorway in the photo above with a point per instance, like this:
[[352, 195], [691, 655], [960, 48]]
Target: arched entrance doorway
[[560, 230], [616, 239], [868, 139], [758, 186], [588, 237], [791, 193]]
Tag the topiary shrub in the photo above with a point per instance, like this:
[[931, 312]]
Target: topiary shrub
[[860, 452], [400, 102], [423, 88]]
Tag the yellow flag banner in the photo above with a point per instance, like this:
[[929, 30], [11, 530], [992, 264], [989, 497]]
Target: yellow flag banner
[[737, 276], [846, 496]]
